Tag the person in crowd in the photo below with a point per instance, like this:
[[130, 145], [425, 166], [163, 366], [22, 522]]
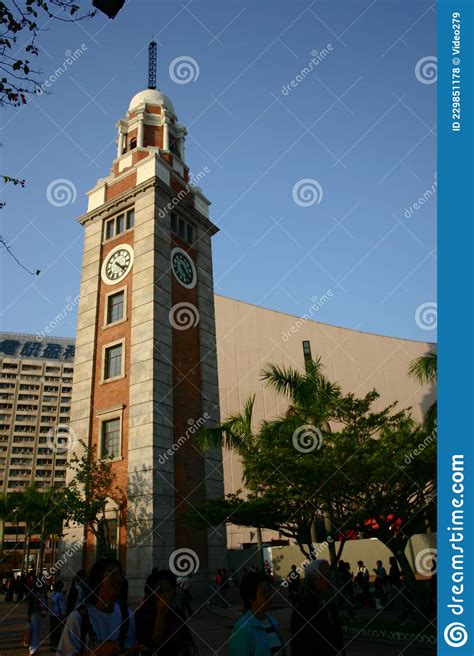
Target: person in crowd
[[315, 626], [102, 623], [57, 614], [235, 578], [77, 591], [345, 587], [185, 586], [381, 581], [37, 609], [10, 585], [160, 625], [257, 632], [19, 588], [361, 584], [294, 581]]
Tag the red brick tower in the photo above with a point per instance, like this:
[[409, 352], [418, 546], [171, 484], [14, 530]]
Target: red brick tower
[[145, 370]]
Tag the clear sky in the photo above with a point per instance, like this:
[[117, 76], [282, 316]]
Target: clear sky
[[360, 126]]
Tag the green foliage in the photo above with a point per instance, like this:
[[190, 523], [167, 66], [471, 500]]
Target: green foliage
[[87, 495], [20, 26], [361, 469]]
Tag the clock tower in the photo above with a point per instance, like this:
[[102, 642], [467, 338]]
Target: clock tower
[[145, 377]]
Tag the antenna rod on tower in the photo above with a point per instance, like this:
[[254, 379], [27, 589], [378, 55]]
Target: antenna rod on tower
[[152, 65]]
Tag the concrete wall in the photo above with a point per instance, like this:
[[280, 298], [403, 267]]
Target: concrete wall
[[249, 338]]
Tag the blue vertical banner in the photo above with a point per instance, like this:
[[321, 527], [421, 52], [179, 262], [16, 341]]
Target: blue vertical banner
[[456, 327]]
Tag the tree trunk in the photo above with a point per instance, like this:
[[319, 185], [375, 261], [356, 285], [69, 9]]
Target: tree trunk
[[260, 547], [43, 539], [1, 537], [397, 547], [328, 525]]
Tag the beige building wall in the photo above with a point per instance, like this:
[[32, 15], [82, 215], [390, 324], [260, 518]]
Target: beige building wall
[[250, 337]]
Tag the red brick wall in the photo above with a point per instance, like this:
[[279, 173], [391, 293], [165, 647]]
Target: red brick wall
[[106, 395], [189, 467]]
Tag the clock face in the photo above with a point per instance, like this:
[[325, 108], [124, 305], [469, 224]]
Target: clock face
[[183, 268], [117, 264]]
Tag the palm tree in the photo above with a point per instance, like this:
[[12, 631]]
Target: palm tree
[[425, 370], [315, 399]]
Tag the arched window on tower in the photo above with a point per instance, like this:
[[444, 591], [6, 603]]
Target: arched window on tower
[[133, 143]]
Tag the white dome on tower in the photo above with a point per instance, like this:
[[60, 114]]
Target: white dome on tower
[[151, 97]]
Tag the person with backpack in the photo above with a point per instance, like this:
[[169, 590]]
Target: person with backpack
[[103, 623]]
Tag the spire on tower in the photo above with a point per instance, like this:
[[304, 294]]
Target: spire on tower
[[152, 65]]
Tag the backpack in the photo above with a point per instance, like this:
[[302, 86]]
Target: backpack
[[87, 630]]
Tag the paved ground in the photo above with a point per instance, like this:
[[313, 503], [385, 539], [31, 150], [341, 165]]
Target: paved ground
[[211, 629]]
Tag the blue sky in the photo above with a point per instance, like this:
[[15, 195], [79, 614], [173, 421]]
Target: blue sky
[[360, 127]]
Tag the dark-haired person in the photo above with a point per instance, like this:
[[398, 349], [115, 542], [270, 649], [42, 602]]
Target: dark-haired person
[[100, 624], [315, 626], [160, 625], [77, 591], [257, 633]]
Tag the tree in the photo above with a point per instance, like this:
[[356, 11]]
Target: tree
[[331, 463], [20, 25], [6, 514], [87, 496], [425, 370]]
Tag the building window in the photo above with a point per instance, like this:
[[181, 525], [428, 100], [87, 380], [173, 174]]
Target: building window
[[113, 358], [133, 143], [182, 228], [115, 307], [306, 350], [120, 223], [110, 441]]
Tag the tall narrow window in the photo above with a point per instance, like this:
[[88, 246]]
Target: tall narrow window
[[130, 219], [110, 447], [113, 361], [120, 224], [189, 233], [115, 307], [109, 229], [174, 222], [306, 351]]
